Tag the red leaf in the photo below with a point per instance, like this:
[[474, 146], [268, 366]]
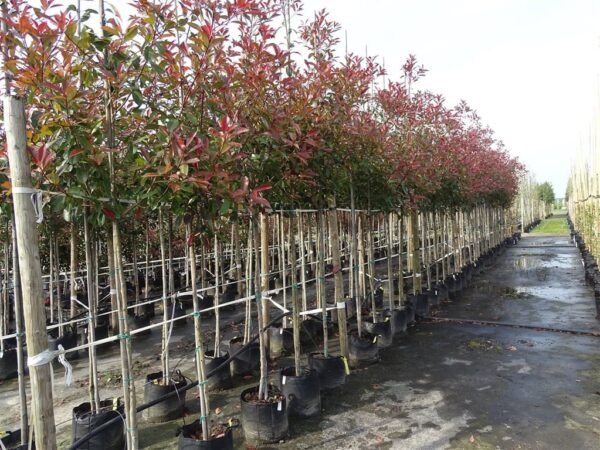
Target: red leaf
[[108, 213]]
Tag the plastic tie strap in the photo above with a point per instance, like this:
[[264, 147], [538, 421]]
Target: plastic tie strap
[[196, 314], [202, 383], [198, 349], [47, 356], [202, 418], [122, 318], [124, 336], [36, 201]]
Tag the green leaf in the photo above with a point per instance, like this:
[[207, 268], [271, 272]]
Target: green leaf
[[137, 96]]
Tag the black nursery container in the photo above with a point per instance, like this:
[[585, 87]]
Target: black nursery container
[[420, 303], [12, 439], [67, 340], [8, 364], [245, 361], [100, 332], [166, 410], [331, 370], [137, 322], [410, 312], [264, 422], [220, 379], [281, 341], [398, 321], [362, 350], [178, 311], [84, 422], [188, 441], [303, 392], [382, 329]]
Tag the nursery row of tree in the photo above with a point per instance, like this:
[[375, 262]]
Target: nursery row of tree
[[583, 201], [208, 145]]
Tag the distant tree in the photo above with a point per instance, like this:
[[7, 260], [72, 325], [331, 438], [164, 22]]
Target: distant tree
[[545, 193]]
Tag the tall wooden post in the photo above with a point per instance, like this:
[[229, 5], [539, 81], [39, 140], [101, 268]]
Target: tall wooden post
[[31, 273]]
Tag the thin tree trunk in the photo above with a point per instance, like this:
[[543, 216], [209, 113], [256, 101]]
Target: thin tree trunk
[[165, 327], [199, 359], [18, 302]]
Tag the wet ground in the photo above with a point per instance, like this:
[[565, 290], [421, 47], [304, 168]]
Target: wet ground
[[452, 385], [449, 385]]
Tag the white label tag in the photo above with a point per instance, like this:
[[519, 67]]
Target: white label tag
[[279, 406], [341, 305], [281, 331], [283, 380]]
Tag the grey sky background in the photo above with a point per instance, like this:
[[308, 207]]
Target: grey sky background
[[529, 67]]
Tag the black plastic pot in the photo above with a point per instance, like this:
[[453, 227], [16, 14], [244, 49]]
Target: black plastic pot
[[382, 329], [420, 303], [220, 379], [137, 322], [281, 341], [398, 320], [311, 332], [67, 340], [100, 332], [8, 364], [84, 422], [433, 298], [331, 370], [186, 440], [246, 361], [362, 350], [166, 410], [303, 393], [410, 313], [148, 310], [264, 422], [11, 440], [179, 311]]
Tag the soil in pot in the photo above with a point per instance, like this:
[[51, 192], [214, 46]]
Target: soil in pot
[[221, 379], [156, 387], [331, 370], [264, 421], [362, 350], [190, 437], [83, 422], [302, 392]]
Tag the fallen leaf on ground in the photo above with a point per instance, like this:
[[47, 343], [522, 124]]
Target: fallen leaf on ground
[[472, 439], [512, 348]]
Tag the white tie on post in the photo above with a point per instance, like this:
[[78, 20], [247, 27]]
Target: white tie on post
[[36, 201]]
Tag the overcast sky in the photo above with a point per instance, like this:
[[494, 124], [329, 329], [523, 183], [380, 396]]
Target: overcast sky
[[530, 67]]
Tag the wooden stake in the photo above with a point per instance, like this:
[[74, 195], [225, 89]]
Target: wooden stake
[[31, 273]]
